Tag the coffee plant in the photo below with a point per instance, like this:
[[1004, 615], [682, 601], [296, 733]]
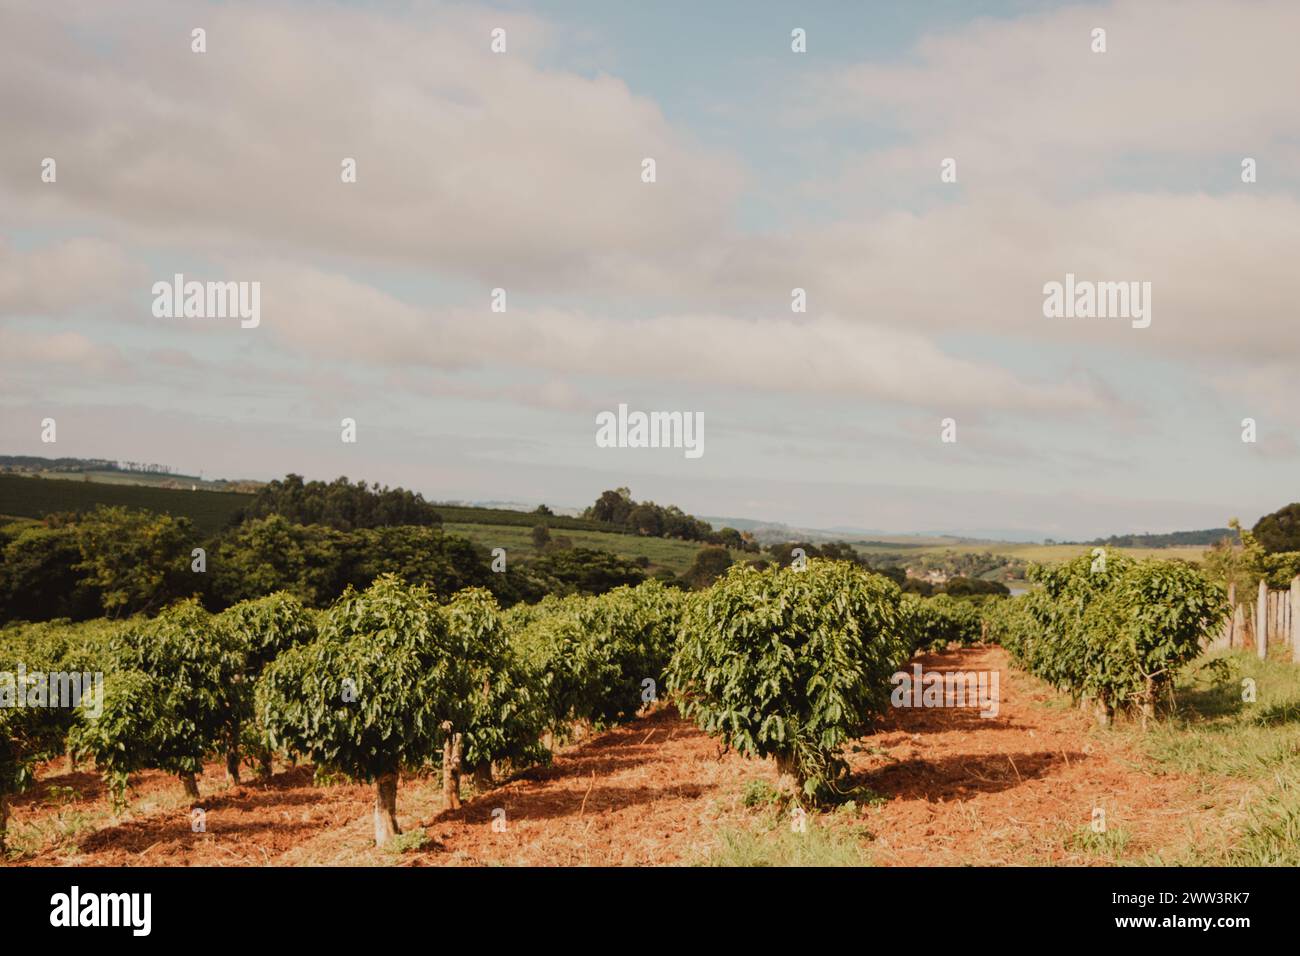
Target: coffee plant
[[377, 691], [791, 664], [170, 687]]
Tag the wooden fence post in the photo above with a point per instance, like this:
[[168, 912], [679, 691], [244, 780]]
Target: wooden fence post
[[1261, 621], [1232, 616], [1295, 619]]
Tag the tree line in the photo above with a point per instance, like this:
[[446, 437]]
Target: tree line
[[116, 562], [617, 507]]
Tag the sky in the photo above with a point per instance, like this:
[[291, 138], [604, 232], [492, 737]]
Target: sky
[[775, 170]]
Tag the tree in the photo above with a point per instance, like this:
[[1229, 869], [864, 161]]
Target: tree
[[960, 587], [791, 664], [260, 629], [40, 576], [941, 620], [31, 727], [709, 565], [586, 570], [594, 655], [784, 554], [611, 506], [168, 698], [446, 563], [1279, 531], [1116, 632], [505, 711], [373, 693], [265, 555], [541, 536], [340, 504], [646, 519], [137, 561]]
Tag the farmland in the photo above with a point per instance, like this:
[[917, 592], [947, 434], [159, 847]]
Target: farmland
[[946, 790], [660, 552], [26, 497], [527, 735], [1025, 551]]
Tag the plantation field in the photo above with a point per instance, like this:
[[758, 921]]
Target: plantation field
[[142, 478], [25, 497], [1037, 553], [662, 552], [458, 514], [1215, 785]]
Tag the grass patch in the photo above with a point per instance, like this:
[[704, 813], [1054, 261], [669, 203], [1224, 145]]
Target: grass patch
[[821, 844], [409, 842], [661, 552], [1237, 717], [1110, 843]]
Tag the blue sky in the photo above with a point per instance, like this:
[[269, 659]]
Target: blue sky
[[775, 170]]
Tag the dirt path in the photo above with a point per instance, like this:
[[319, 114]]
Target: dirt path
[[953, 789]]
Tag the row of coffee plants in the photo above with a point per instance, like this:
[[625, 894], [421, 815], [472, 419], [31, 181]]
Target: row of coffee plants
[[792, 663], [385, 680], [1111, 631]]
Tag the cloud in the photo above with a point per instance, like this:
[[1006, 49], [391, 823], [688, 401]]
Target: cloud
[[1026, 102], [333, 316], [63, 276], [469, 162], [69, 350]]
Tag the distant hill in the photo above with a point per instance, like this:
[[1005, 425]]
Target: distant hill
[[119, 473], [1171, 540]]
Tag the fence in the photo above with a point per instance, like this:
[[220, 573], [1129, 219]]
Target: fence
[[1275, 615]]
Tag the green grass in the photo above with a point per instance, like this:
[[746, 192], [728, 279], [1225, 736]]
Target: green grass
[[662, 552], [821, 844], [1108, 844], [1216, 733], [458, 514], [143, 478], [24, 497]]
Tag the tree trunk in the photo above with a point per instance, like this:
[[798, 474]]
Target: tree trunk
[[4, 819], [1148, 710], [232, 754], [1104, 712], [788, 770], [483, 777], [265, 768], [386, 809], [191, 784], [451, 769]]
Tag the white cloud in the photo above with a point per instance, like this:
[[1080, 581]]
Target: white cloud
[[59, 277], [336, 317], [468, 162], [1026, 101]]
